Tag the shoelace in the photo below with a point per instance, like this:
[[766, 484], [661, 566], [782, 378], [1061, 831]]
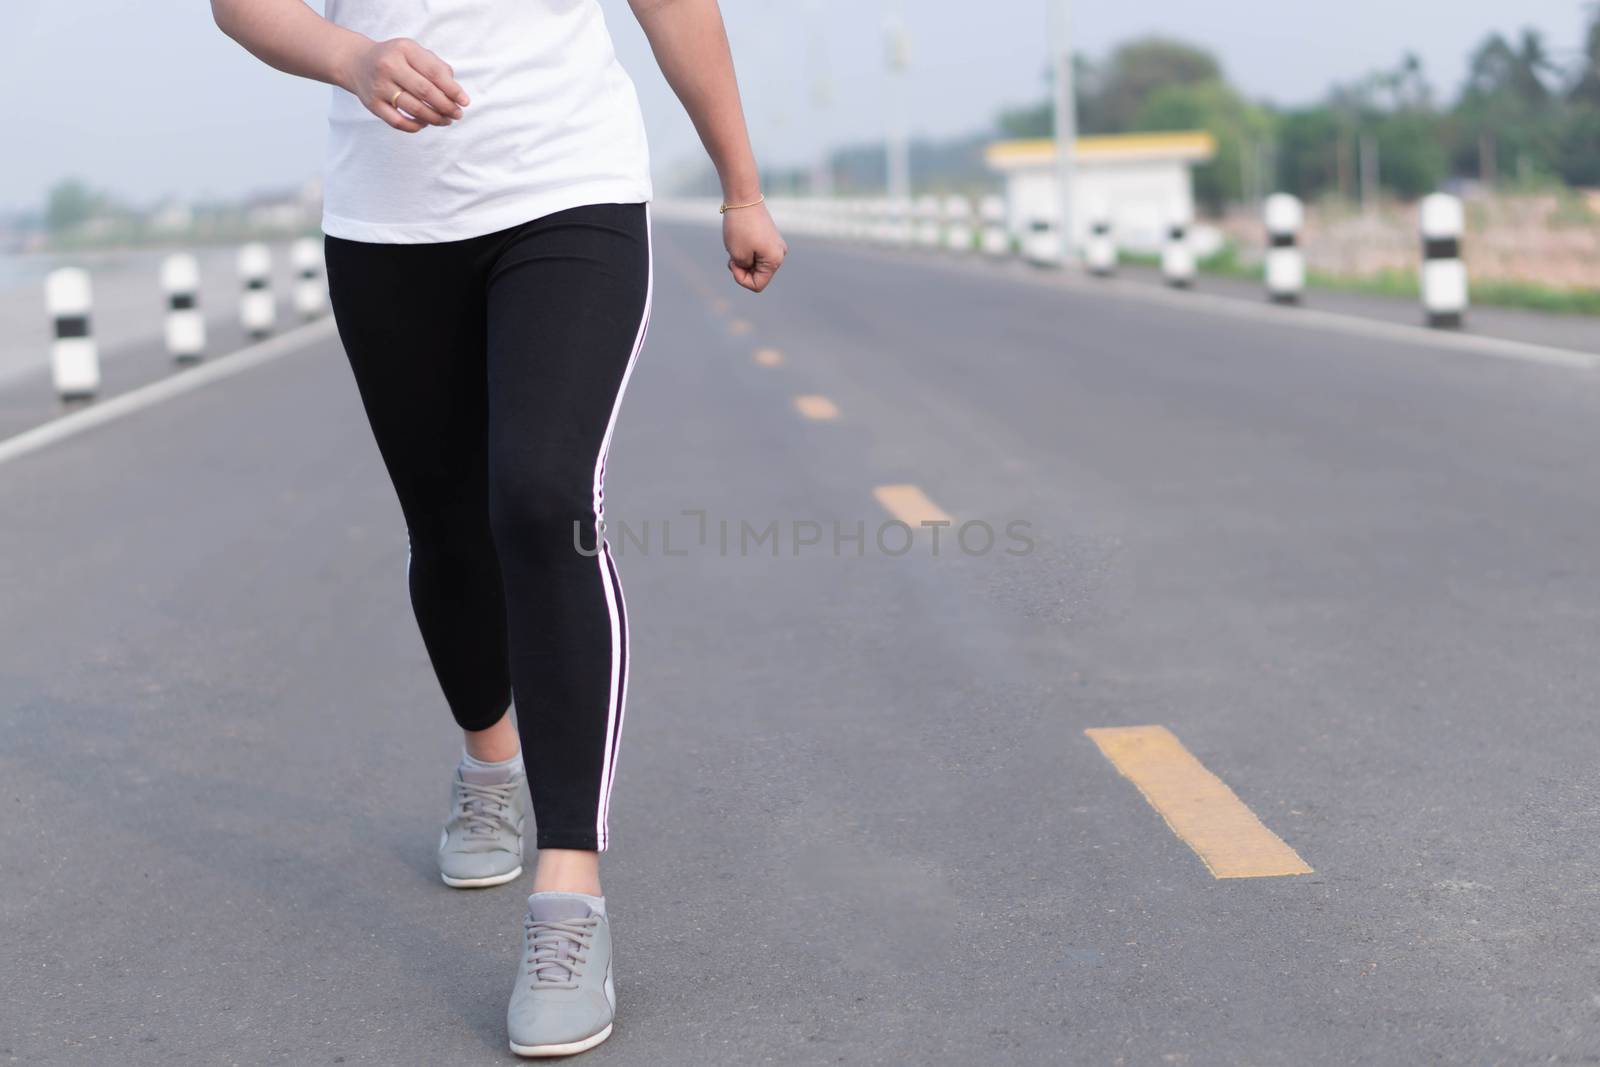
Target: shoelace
[[558, 949], [481, 807]]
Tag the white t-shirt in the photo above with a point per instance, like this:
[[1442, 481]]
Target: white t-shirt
[[554, 123]]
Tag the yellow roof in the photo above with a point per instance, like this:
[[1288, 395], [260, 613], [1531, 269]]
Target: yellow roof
[[1195, 146]]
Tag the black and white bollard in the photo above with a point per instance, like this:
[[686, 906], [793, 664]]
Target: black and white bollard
[[860, 216], [258, 311], [995, 241], [927, 212], [1041, 245], [854, 219], [186, 327], [902, 221], [1444, 275], [882, 222], [888, 222], [310, 294], [1285, 267], [958, 232], [74, 358], [1177, 258], [1100, 251], [848, 225], [817, 218], [833, 218]]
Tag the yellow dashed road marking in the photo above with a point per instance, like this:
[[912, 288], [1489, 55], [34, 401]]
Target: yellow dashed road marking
[[816, 407], [739, 326], [909, 504], [768, 357], [1196, 804]]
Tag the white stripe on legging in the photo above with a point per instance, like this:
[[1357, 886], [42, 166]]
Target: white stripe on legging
[[617, 694]]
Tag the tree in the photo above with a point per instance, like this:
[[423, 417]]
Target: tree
[[1518, 113], [1499, 70], [1036, 120], [1039, 120], [1405, 88], [1585, 91], [1214, 106], [1579, 149], [1507, 117], [1135, 73], [1309, 146], [69, 205], [1413, 157], [1394, 108]]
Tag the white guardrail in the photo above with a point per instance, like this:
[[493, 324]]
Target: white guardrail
[[933, 225], [958, 225]]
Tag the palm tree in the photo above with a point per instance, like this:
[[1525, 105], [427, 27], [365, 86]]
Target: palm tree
[[1499, 70], [1585, 89]]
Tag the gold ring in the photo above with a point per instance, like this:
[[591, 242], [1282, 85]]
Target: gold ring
[[395, 100]]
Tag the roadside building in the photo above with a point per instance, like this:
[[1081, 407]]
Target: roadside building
[[1139, 182]]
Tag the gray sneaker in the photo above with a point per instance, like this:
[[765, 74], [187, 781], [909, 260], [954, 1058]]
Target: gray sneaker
[[564, 999], [482, 843]]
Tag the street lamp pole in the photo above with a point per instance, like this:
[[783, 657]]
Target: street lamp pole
[[1066, 124], [897, 145], [821, 98]]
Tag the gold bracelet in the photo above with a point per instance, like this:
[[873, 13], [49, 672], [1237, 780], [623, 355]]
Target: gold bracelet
[[725, 208]]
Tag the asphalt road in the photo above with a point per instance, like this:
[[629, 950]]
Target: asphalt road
[[1581, 332], [28, 397], [858, 820]]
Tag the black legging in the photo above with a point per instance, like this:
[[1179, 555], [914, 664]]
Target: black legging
[[491, 370]]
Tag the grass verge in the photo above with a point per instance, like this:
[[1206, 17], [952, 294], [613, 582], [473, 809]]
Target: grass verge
[[1403, 284]]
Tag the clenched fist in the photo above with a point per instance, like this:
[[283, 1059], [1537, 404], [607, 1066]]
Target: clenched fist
[[755, 247]]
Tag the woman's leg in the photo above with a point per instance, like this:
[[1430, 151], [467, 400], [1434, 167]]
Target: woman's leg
[[569, 296], [414, 325], [496, 744], [412, 321]]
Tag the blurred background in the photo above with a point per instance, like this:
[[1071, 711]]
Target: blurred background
[[1185, 114], [1359, 108]]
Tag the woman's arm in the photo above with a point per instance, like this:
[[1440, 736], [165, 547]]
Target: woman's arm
[[691, 47], [290, 36]]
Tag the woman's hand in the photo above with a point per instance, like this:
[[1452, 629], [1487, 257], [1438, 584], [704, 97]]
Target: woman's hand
[[691, 46], [755, 248], [429, 95], [399, 81]]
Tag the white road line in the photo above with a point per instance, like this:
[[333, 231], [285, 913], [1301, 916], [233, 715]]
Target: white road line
[[1241, 308], [102, 412], [1277, 314], [1339, 322]]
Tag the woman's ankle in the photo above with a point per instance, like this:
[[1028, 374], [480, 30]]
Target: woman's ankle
[[568, 870], [496, 744]]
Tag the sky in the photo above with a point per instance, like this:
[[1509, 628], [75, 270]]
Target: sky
[[146, 98]]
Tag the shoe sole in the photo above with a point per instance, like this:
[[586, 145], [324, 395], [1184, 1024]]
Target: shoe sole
[[480, 883], [569, 1048]]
